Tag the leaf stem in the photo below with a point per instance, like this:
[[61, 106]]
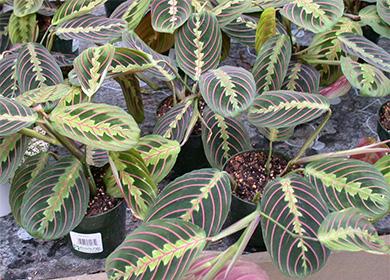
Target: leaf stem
[[34, 134], [221, 260], [179, 78], [267, 164], [322, 61]]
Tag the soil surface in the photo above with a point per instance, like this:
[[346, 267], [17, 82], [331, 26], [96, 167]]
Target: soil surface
[[385, 116], [249, 172]]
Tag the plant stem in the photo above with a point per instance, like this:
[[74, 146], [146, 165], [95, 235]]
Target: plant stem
[[322, 61], [267, 164], [45, 34], [221, 261], [34, 134], [353, 17], [179, 78]]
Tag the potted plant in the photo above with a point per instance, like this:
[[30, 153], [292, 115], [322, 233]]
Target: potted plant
[[384, 121]]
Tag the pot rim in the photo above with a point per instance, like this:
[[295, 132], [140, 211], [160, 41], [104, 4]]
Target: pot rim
[[104, 213], [379, 119]]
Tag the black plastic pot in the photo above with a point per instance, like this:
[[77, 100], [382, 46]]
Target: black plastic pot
[[111, 5], [383, 133], [97, 236]]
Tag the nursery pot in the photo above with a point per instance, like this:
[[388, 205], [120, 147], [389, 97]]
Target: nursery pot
[[111, 5], [97, 236], [5, 207], [383, 133]]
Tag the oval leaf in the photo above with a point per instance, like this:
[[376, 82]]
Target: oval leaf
[[277, 109], [302, 78], [266, 28], [12, 149], [22, 29], [345, 183], [56, 200], [293, 203], [243, 29], [132, 11], [201, 197], [228, 10], [25, 7], [157, 250], [383, 8], [167, 16], [198, 44], [369, 16], [97, 125], [9, 84]]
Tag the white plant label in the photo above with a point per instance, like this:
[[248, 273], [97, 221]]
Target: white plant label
[[87, 243]]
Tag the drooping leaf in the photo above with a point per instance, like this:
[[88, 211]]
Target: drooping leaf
[[14, 116], [97, 125], [349, 230], [228, 10], [136, 184], [222, 138], [198, 44], [369, 16], [159, 155], [277, 134], [266, 28], [383, 165], [91, 67], [74, 8], [96, 157], [167, 16], [96, 29], [36, 67], [131, 11], [157, 250], [272, 63], [23, 29], [302, 78], [383, 8], [9, 84], [292, 202], [26, 7], [278, 109], [201, 197], [228, 90], [368, 79], [314, 15], [345, 183], [357, 45], [56, 200], [22, 179], [12, 149]]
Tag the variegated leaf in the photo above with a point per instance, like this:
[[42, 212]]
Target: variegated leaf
[[22, 179], [8, 83], [356, 45], [36, 67], [278, 109], [48, 8], [74, 8], [368, 79], [168, 15], [272, 63], [96, 157], [266, 28], [383, 165], [162, 64], [302, 78], [383, 8], [74, 97], [277, 134], [134, 180], [174, 124], [292, 202], [314, 15], [201, 197], [349, 230], [339, 88], [159, 155], [12, 149], [228, 90], [198, 44], [131, 11], [23, 29], [25, 7], [14, 116], [228, 10], [97, 125], [157, 250], [243, 29], [91, 67], [222, 138], [91, 28], [345, 183], [56, 200], [369, 16]]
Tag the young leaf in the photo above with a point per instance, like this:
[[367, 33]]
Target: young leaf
[[23, 29], [74, 8], [36, 67], [272, 63], [96, 29], [266, 28], [293, 203], [201, 197], [368, 79], [131, 11], [22, 179], [91, 67], [314, 15], [228, 10], [383, 165], [26, 7], [345, 183], [302, 78], [383, 8], [349, 230], [157, 250], [136, 184], [369, 16], [159, 155], [168, 15], [228, 90], [356, 45], [198, 44], [278, 109], [97, 125], [56, 200], [9, 84], [222, 138]]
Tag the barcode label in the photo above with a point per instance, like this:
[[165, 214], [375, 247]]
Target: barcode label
[[87, 243]]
